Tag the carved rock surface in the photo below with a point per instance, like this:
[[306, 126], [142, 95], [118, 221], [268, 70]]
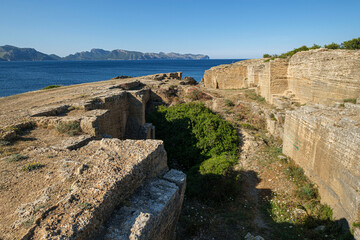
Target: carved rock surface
[[325, 142], [317, 76], [325, 76]]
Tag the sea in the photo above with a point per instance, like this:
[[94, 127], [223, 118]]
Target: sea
[[20, 77]]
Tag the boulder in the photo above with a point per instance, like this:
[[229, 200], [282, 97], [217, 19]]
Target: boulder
[[188, 81]]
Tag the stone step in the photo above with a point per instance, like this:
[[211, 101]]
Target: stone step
[[107, 173], [151, 213]]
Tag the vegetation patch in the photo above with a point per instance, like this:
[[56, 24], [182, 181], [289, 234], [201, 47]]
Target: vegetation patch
[[356, 224], [51, 87], [350, 100], [195, 94], [353, 44], [69, 128], [229, 103], [16, 158], [205, 146], [251, 94], [31, 166], [248, 119]]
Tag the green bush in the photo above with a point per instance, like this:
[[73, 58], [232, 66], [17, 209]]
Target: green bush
[[315, 46], [219, 165], [229, 103], [307, 192], [353, 44], [31, 166], [51, 87], [296, 50], [201, 143], [356, 224], [332, 46], [350, 100]]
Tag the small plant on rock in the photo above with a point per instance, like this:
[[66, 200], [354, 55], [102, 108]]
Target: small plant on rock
[[229, 103], [31, 166], [350, 100], [51, 87], [69, 128], [16, 158]]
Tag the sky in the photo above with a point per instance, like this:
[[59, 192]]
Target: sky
[[232, 29]]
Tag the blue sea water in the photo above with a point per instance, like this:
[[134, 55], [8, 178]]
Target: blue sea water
[[20, 77]]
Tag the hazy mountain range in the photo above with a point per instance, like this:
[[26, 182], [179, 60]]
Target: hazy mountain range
[[11, 53]]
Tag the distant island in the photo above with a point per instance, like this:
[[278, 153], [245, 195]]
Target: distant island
[[11, 53]]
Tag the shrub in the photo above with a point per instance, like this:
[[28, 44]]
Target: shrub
[[219, 165], [69, 128], [51, 86], [16, 158], [350, 100], [351, 44], [296, 50], [31, 166], [332, 46], [204, 145], [229, 103], [272, 117], [356, 224], [307, 192], [315, 46], [266, 55]]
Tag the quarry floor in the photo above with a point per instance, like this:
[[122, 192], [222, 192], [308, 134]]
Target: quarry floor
[[262, 181]]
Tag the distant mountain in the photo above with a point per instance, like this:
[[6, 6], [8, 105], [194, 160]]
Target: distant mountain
[[11, 53], [118, 54]]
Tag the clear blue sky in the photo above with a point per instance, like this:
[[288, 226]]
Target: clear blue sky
[[221, 29]]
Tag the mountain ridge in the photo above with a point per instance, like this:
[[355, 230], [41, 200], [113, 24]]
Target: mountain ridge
[[12, 53]]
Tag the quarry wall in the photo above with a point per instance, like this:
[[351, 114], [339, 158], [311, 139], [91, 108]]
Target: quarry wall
[[317, 76], [325, 142], [323, 139]]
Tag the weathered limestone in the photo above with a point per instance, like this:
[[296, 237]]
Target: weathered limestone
[[317, 76], [325, 76], [151, 213], [325, 142], [113, 170], [268, 76], [81, 181]]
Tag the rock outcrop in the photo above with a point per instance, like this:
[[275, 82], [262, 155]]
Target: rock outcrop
[[93, 170], [317, 76]]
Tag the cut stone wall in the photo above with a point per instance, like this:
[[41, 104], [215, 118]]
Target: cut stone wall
[[317, 76], [325, 142], [325, 76], [130, 175]]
